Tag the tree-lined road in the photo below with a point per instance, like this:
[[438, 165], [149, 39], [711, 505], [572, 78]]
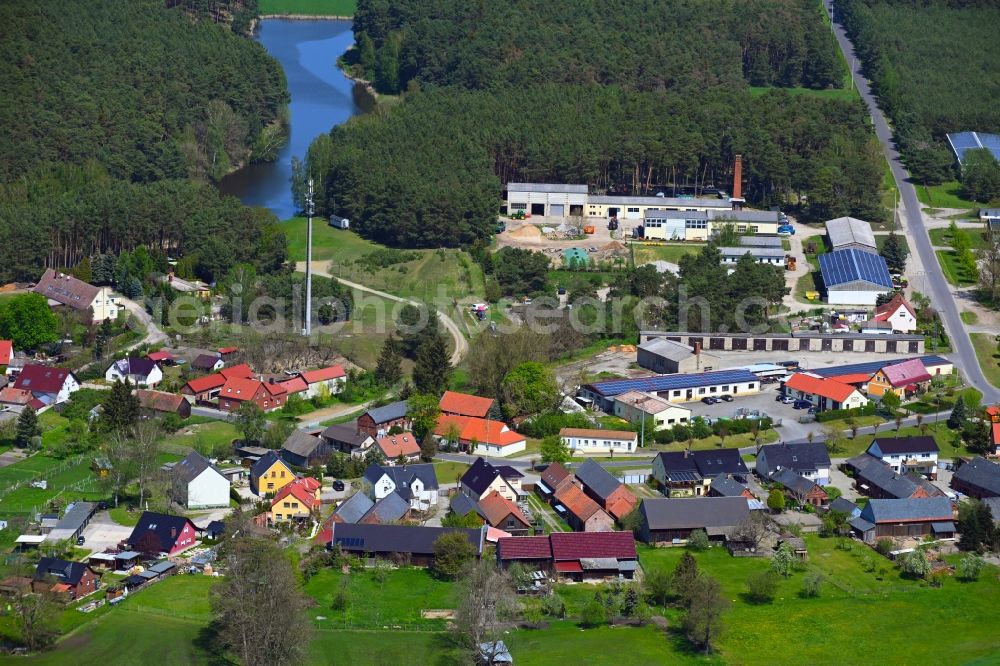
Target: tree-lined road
[[941, 294]]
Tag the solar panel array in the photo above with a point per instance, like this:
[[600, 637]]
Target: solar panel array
[[846, 266], [963, 141], [350, 542], [872, 366], [660, 383]]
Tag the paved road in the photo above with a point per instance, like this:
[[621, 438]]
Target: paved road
[[461, 344], [941, 295]]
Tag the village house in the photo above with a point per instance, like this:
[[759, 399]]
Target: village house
[[348, 440], [72, 580], [270, 474], [417, 484], [135, 370], [554, 477], [610, 494], [801, 489], [905, 518], [195, 288], [724, 486], [904, 379], [907, 454], [206, 389], [412, 543], [15, 400], [306, 449], [877, 479], [483, 478], [581, 512], [808, 459], [65, 290], [583, 441], [670, 521], [298, 500], [691, 473], [294, 386], [162, 533], [392, 508], [198, 484], [268, 396], [208, 363], [576, 556], [979, 478], [403, 447], [993, 413], [6, 353], [479, 436], [898, 313], [353, 509], [501, 513], [378, 421], [462, 404], [658, 413], [50, 386], [824, 393], [329, 380], [160, 402], [163, 357], [845, 506]]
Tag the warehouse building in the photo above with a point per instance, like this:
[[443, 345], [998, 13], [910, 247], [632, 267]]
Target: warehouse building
[[854, 277], [847, 233], [762, 240], [701, 225], [668, 357], [635, 208], [762, 255], [674, 388], [799, 341], [546, 199], [560, 200]]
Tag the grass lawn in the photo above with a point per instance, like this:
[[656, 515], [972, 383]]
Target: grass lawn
[[309, 7], [811, 281], [986, 352], [361, 339], [74, 480], [648, 253], [970, 318], [948, 441], [954, 273], [940, 237], [123, 516], [202, 437], [945, 195], [447, 472], [448, 274], [881, 238]]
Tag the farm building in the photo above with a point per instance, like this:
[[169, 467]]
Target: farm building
[[847, 233], [854, 277], [546, 199], [669, 520], [761, 240], [635, 407], [800, 341], [762, 255], [668, 357], [901, 518]]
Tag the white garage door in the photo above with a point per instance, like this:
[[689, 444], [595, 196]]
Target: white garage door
[[556, 210]]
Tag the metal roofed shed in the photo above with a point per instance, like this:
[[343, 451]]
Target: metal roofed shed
[[77, 517], [548, 188], [761, 240], [854, 277], [847, 233]]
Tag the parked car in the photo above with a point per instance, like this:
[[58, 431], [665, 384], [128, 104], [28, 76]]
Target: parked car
[[801, 404], [709, 400], [726, 397], [562, 290], [812, 410], [80, 540], [338, 485], [784, 399]]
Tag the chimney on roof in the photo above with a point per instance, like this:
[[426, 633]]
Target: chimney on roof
[[737, 199], [173, 532]]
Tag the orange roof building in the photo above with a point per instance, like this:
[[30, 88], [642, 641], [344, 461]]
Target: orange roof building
[[500, 512], [238, 390], [481, 436], [463, 404], [404, 444], [582, 513], [6, 352], [824, 393], [296, 500]]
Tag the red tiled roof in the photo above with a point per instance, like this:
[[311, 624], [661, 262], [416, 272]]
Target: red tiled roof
[[228, 350], [275, 388], [40, 379], [464, 404], [160, 401], [6, 352], [907, 372], [239, 388], [14, 396], [206, 383], [495, 508], [996, 434], [295, 385], [622, 506], [569, 567], [403, 444], [821, 386], [576, 502], [553, 475], [324, 374], [579, 545], [598, 433], [484, 431], [159, 356], [887, 309], [525, 548], [242, 370], [303, 489]]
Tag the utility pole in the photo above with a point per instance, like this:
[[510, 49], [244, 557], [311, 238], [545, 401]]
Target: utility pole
[[307, 329]]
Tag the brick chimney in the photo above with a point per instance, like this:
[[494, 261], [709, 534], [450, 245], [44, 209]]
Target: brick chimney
[[737, 199]]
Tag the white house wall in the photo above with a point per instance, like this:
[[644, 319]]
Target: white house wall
[[208, 490]]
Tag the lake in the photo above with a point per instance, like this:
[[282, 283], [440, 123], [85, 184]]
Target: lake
[[321, 97]]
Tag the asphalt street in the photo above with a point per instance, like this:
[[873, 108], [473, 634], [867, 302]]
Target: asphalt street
[[964, 356]]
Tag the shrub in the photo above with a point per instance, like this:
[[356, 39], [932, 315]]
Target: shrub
[[969, 567], [811, 584], [783, 560], [698, 540], [884, 546], [554, 606], [762, 586], [550, 423], [837, 414], [915, 564], [593, 614]]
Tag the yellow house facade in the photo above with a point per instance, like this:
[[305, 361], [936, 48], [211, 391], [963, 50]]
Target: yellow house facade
[[270, 474]]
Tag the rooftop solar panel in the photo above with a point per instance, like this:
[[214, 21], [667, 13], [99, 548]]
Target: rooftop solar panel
[[964, 141], [845, 266], [658, 383], [871, 366]]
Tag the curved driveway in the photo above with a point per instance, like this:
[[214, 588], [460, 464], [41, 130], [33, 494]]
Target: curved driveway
[[941, 294]]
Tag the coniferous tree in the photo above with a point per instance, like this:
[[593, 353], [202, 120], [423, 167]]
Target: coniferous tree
[[389, 369], [433, 367], [120, 408], [959, 413], [894, 252], [27, 427]]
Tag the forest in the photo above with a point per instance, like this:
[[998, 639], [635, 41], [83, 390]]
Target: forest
[[933, 67], [430, 172], [688, 44], [115, 116]]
